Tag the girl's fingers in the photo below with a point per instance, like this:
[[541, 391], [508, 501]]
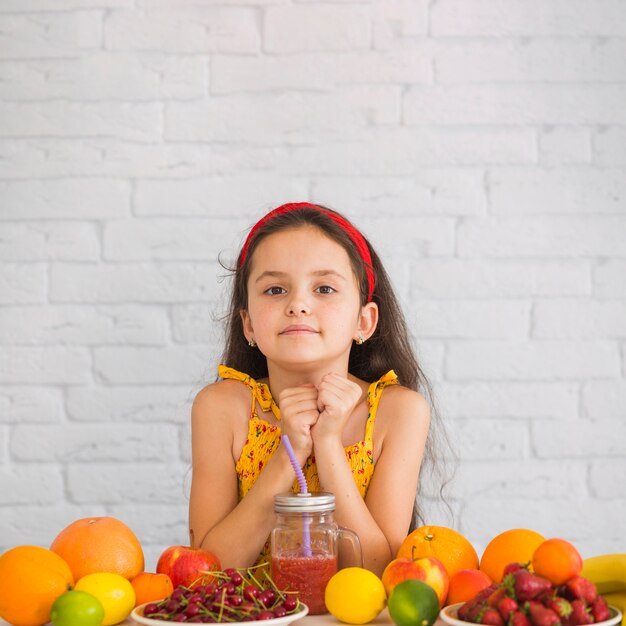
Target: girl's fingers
[[340, 384], [329, 397], [299, 412], [298, 407], [297, 395], [338, 392], [304, 418]]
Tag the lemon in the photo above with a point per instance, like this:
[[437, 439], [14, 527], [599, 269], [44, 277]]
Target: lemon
[[115, 593], [413, 603], [355, 595]]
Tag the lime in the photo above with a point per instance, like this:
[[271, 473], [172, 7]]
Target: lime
[[114, 592], [77, 608], [355, 595], [413, 603]]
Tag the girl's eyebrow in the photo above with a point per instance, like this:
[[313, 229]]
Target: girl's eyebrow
[[275, 274], [269, 274], [334, 273]]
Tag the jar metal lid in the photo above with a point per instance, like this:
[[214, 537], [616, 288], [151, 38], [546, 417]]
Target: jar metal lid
[[318, 502]]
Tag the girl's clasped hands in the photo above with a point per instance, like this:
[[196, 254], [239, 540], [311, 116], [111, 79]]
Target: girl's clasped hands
[[313, 415]]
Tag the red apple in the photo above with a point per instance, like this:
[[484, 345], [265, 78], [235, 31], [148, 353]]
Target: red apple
[[187, 566], [428, 569]]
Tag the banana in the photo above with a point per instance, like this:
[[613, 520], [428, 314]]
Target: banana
[[617, 599], [607, 571]]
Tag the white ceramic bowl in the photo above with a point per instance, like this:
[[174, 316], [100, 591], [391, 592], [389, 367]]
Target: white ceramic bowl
[[449, 615], [138, 616]]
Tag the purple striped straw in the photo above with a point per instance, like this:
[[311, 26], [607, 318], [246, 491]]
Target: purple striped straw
[[304, 490]]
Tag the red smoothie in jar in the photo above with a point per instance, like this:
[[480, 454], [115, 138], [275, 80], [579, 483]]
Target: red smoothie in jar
[[306, 575]]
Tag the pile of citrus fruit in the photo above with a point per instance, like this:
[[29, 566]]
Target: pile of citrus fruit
[[437, 566], [92, 575]]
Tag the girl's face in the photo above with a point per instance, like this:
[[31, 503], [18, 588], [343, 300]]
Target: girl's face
[[303, 300]]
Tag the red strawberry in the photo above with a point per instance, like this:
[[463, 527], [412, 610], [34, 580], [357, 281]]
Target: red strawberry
[[580, 614], [494, 598], [506, 606], [527, 586], [469, 608], [492, 617], [560, 606], [600, 610], [541, 615], [513, 567], [483, 594], [581, 589], [471, 611], [545, 597], [519, 619]]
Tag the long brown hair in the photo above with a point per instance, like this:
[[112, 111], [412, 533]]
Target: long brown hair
[[388, 348]]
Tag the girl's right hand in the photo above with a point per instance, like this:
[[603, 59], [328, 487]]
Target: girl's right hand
[[298, 414]]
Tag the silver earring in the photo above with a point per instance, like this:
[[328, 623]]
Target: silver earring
[[359, 340], [252, 342]]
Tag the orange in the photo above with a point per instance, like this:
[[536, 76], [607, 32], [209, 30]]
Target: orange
[[465, 584], [151, 587], [99, 544], [516, 545], [445, 544], [31, 579], [557, 560]]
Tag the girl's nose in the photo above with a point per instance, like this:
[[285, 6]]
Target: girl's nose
[[298, 309], [298, 305]]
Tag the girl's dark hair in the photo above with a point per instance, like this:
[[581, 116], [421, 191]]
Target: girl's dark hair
[[388, 348]]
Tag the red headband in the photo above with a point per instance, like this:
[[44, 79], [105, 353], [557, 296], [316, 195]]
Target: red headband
[[351, 231]]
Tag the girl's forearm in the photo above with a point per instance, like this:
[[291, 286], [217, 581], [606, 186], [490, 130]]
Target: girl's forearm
[[351, 511], [239, 537]]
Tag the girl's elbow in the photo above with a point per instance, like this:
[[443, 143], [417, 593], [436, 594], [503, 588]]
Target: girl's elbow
[[376, 561]]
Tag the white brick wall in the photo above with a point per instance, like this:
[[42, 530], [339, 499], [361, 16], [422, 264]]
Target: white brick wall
[[479, 143]]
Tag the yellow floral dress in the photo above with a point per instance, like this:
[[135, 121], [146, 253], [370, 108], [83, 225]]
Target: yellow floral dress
[[264, 438]]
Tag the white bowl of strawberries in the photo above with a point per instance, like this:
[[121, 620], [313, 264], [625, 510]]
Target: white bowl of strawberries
[[525, 599]]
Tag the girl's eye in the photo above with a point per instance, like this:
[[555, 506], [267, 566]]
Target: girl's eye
[[326, 289], [274, 291]]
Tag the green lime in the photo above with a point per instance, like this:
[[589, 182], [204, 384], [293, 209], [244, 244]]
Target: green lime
[[413, 603], [77, 608]]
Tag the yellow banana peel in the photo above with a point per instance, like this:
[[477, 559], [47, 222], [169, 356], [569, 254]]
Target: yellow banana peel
[[618, 600], [607, 571]]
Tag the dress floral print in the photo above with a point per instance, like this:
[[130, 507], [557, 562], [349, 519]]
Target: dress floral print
[[264, 438]]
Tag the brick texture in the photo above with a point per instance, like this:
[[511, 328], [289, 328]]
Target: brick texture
[[480, 145]]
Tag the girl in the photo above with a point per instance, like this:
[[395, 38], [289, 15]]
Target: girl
[[317, 349]]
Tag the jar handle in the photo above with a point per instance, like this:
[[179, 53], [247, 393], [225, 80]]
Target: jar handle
[[353, 538]]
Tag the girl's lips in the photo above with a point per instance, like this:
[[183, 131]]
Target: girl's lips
[[298, 329]]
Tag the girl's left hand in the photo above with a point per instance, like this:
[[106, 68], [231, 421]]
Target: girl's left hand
[[337, 398]]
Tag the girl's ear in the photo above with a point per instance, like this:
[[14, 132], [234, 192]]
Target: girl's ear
[[247, 325], [368, 320]]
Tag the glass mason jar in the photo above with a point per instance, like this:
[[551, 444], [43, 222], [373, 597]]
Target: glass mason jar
[[305, 544]]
